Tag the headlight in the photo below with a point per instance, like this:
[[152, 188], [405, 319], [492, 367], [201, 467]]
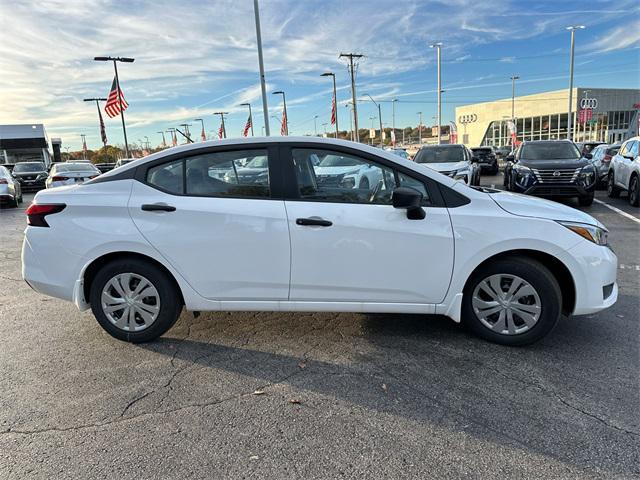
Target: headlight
[[588, 173], [461, 173], [348, 182], [594, 234]]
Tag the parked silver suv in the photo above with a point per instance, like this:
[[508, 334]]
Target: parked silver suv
[[624, 172]]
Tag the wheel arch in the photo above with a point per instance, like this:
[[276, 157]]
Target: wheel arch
[[94, 267], [557, 268]]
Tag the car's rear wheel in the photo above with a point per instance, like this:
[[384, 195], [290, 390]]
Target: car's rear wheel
[[512, 301], [634, 193], [612, 190], [134, 301], [586, 200]]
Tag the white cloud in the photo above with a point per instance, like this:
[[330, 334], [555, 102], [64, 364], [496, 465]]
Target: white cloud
[[624, 36]]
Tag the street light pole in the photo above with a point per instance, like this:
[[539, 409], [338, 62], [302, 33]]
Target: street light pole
[[119, 93], [186, 131], [285, 121], [98, 100], [420, 130], [164, 141], [203, 134], [513, 97], [315, 124], [250, 115], [379, 117], [224, 129], [334, 104], [572, 29], [438, 47], [263, 85]]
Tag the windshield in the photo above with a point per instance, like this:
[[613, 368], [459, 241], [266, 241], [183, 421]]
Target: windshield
[[439, 155], [258, 162], [549, 151], [338, 161], [74, 167], [481, 151], [29, 167]]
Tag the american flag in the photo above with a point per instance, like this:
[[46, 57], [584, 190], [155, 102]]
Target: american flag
[[103, 132], [220, 132], [284, 130], [174, 138], [203, 135], [247, 127], [112, 107], [333, 111]]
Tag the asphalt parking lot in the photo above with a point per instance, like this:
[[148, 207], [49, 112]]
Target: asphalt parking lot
[[272, 395]]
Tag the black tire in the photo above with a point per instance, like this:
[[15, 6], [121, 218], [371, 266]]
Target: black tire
[[612, 190], [539, 277], [495, 170], [586, 200], [506, 181], [13, 203], [170, 299], [634, 191]]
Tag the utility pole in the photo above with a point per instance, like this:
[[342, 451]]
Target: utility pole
[[393, 118], [224, 129], [350, 123], [263, 84], [420, 130], [572, 29], [351, 56], [186, 131], [315, 124], [164, 141], [438, 47], [84, 145]]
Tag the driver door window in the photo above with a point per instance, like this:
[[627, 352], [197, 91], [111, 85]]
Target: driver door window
[[331, 176]]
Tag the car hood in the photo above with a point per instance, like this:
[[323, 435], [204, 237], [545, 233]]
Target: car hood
[[553, 164], [336, 170], [528, 206], [446, 167]]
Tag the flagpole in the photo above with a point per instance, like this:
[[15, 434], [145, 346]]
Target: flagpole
[[263, 85], [124, 128], [101, 122], [251, 119]]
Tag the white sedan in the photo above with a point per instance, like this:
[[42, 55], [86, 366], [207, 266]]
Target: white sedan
[[164, 232], [624, 172], [70, 173]]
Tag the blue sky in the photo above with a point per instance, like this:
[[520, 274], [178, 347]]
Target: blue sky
[[197, 57]]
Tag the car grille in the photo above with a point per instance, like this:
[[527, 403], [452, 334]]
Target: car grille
[[553, 191], [329, 180], [559, 175]]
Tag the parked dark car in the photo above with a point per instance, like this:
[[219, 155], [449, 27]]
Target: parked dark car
[[550, 168], [602, 156], [105, 167], [10, 192], [31, 175], [587, 147], [487, 159], [503, 152]]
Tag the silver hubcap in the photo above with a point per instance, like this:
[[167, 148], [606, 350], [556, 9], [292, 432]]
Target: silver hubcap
[[506, 304], [130, 302]]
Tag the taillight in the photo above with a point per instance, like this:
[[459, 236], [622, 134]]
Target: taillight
[[606, 158], [36, 213], [59, 179], [3, 181]]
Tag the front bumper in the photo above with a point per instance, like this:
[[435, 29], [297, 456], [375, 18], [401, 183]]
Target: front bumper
[[32, 185], [594, 269], [559, 190]]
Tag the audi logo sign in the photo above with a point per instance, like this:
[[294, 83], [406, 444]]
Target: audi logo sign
[[468, 118], [589, 103]]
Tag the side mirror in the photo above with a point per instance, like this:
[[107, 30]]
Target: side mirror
[[510, 158], [588, 156], [409, 199]]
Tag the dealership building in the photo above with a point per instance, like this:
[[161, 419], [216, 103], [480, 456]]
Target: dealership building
[[603, 114], [27, 143]]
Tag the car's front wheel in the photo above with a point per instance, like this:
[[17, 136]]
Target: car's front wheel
[[134, 300], [634, 191], [586, 200], [512, 301]]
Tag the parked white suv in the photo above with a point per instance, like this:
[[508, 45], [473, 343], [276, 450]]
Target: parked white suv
[[167, 231], [624, 171]]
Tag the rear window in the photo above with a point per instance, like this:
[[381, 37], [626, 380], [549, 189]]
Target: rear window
[[74, 167], [549, 151], [439, 155], [29, 167]]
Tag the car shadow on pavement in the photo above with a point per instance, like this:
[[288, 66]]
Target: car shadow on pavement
[[424, 369]]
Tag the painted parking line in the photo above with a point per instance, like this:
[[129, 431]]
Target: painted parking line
[[618, 211], [629, 267]]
